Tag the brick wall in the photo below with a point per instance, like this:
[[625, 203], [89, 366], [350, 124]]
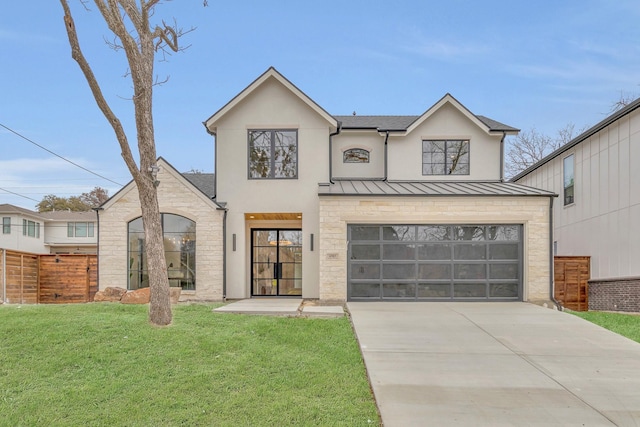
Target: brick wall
[[615, 295]]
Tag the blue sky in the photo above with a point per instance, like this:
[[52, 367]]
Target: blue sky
[[539, 64]]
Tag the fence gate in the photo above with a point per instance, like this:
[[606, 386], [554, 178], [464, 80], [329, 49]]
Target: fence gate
[[571, 277]]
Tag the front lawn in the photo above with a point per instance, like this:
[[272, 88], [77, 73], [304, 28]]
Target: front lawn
[[104, 364], [627, 325]]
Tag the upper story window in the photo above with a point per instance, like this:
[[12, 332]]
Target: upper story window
[[568, 180], [445, 157], [6, 225], [30, 228], [355, 155], [79, 229], [273, 154]]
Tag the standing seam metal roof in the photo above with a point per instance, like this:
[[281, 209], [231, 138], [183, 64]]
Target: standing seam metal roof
[[428, 188]]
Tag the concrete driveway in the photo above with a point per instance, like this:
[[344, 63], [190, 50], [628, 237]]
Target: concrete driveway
[[495, 364]]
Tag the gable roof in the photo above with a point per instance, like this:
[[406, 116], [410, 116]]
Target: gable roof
[[69, 216], [12, 209], [271, 73], [580, 138], [409, 123], [202, 183]]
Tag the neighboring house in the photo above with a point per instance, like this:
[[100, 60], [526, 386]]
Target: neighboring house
[[48, 232], [359, 207], [597, 214], [193, 234]]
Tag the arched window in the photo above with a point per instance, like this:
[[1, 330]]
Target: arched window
[[355, 155], [179, 248]]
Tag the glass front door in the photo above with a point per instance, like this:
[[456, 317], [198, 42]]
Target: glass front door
[[276, 262]]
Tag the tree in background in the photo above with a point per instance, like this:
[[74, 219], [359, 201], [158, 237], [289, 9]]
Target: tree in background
[[130, 23], [529, 147], [82, 203]]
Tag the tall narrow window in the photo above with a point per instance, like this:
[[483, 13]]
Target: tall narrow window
[[6, 225], [273, 154], [568, 167], [445, 157], [355, 155]]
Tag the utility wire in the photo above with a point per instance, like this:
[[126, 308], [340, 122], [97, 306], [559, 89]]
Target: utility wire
[[17, 194], [57, 155]]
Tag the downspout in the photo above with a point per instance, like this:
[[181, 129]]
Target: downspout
[[331, 135], [551, 258], [224, 253], [386, 139], [4, 275], [504, 135]]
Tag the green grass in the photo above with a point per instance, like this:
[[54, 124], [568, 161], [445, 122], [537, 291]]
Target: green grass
[[627, 325], [104, 364]]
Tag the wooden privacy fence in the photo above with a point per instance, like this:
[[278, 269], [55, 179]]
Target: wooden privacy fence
[[27, 278], [571, 277]]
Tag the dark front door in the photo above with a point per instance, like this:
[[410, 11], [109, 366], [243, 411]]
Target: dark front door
[[276, 262]]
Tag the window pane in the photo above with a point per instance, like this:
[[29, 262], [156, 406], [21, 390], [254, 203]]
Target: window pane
[[470, 252], [70, 229], [503, 271], [504, 290], [568, 179], [81, 229], [458, 157], [259, 154], [365, 233], [398, 271], [503, 232], [399, 252], [365, 271], [434, 271], [399, 232], [399, 290], [90, 231], [365, 290], [434, 233], [365, 252], [355, 155], [468, 233], [508, 251], [434, 290], [435, 251], [469, 290], [31, 229], [469, 271]]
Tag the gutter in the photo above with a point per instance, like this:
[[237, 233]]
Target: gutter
[[331, 135], [98, 248], [224, 253], [4, 275], [551, 259]]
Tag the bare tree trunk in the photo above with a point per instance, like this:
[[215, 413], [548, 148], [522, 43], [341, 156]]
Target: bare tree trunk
[[140, 55]]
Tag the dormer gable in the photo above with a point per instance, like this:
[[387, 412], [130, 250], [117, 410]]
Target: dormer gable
[[271, 74]]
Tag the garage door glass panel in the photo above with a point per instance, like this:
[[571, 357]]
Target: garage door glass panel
[[399, 290], [365, 233], [468, 233], [469, 290], [434, 290], [368, 252], [503, 271], [399, 271], [365, 290], [399, 252], [434, 233], [470, 252], [434, 252], [365, 271], [503, 232], [503, 290], [504, 251], [399, 232], [434, 271], [469, 271]]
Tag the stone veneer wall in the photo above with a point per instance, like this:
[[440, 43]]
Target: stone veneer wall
[[615, 295], [336, 212], [175, 198]]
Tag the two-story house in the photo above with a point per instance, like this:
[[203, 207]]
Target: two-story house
[[597, 215], [336, 208], [57, 232]]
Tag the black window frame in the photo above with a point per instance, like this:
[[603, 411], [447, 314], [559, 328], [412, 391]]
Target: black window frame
[[272, 159], [446, 169]]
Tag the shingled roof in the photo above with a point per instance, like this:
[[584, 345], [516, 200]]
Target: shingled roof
[[401, 123]]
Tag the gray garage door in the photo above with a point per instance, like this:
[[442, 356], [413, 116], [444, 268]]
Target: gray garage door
[[435, 262]]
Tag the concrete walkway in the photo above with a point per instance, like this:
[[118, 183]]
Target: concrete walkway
[[291, 307], [495, 364]]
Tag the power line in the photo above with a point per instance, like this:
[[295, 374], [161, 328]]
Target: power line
[[26, 197], [57, 155]]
